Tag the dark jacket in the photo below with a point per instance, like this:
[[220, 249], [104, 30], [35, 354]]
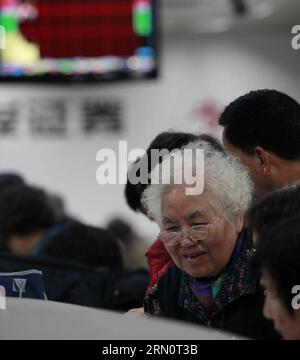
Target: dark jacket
[[66, 282], [237, 307]]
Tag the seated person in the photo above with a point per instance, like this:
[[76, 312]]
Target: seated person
[[211, 282], [94, 247], [278, 259], [87, 246], [27, 219]]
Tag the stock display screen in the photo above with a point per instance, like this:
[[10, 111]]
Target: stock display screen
[[83, 39]]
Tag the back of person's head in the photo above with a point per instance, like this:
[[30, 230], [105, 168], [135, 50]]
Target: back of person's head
[[86, 245], [168, 141], [278, 254], [10, 179], [122, 230], [176, 140], [24, 211], [58, 205], [265, 118], [274, 208]]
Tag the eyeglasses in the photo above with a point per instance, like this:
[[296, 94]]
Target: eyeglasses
[[196, 233]]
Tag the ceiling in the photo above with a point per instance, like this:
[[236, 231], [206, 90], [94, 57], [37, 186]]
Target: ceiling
[[215, 16]]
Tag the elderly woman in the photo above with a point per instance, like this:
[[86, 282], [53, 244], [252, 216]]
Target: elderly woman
[[211, 282]]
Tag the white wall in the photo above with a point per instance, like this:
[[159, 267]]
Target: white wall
[[194, 68]]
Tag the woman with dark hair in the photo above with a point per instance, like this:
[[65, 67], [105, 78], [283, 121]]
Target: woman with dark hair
[[278, 258], [273, 209]]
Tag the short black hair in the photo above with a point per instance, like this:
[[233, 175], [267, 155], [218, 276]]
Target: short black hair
[[122, 230], [168, 140], [266, 118], [274, 208], [278, 254], [24, 210], [88, 246], [10, 179]]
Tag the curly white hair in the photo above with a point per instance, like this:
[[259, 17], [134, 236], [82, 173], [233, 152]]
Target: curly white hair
[[225, 179]]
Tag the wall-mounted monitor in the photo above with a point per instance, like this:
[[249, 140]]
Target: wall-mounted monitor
[[78, 40]]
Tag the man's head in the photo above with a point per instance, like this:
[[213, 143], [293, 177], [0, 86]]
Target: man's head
[[262, 128]]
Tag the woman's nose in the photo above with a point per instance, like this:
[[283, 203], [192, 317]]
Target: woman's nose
[[186, 241]]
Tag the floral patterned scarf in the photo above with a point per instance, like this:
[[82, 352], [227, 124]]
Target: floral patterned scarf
[[206, 289]]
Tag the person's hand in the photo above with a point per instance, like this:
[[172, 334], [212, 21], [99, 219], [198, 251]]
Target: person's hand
[[137, 312]]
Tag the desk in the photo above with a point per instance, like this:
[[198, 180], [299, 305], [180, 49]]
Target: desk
[[26, 319]]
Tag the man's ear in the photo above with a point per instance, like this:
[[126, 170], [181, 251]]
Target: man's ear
[[264, 159], [239, 225]]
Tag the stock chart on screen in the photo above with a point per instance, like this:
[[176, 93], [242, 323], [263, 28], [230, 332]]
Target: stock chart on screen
[[54, 40]]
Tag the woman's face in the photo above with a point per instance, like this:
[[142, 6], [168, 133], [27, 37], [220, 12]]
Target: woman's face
[[285, 323], [207, 257]]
